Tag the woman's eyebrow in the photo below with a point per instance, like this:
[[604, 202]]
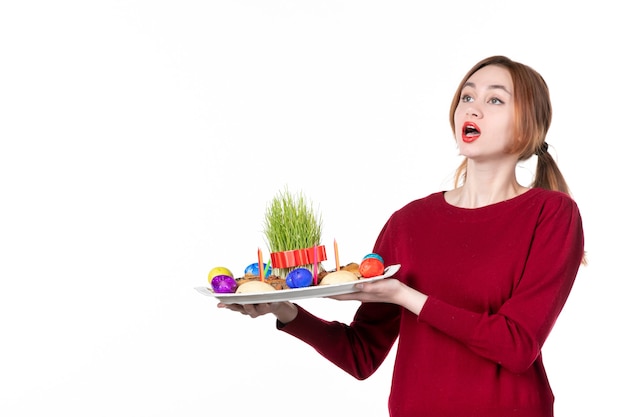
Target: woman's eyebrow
[[490, 87]]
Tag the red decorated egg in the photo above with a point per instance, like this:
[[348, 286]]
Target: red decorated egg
[[371, 267]]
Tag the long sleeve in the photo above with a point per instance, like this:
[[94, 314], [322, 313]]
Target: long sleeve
[[358, 348], [514, 334]]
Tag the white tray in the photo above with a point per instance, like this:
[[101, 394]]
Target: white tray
[[294, 293]]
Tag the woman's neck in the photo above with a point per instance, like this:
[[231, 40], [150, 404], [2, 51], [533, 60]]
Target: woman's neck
[[484, 186]]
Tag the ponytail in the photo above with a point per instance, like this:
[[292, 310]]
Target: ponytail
[[547, 174]]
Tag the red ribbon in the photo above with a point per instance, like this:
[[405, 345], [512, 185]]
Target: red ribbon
[[297, 257]]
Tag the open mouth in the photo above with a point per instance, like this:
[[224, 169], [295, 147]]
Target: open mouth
[[470, 133]]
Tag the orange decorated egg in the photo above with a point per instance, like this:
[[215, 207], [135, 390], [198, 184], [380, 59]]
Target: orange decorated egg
[[371, 267]]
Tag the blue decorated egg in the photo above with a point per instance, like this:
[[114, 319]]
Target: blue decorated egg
[[299, 278], [375, 256], [253, 269]]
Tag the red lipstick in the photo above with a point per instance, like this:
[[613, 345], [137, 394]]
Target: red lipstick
[[470, 132]]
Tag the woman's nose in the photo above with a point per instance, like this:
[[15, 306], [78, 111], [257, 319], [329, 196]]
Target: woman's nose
[[473, 112]]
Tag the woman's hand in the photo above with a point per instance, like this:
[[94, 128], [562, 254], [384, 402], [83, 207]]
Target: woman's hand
[[388, 290], [284, 311]]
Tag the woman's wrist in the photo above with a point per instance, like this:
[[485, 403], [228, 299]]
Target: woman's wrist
[[412, 300], [286, 312]]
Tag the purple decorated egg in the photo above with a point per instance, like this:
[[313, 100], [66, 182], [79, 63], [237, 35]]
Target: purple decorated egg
[[223, 284], [299, 278]]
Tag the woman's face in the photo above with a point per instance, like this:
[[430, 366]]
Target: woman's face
[[484, 117]]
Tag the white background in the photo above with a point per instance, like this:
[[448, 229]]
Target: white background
[[142, 140]]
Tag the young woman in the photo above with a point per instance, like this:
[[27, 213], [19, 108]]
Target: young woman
[[486, 268]]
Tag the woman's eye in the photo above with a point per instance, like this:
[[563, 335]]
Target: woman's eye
[[495, 100], [466, 99]]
